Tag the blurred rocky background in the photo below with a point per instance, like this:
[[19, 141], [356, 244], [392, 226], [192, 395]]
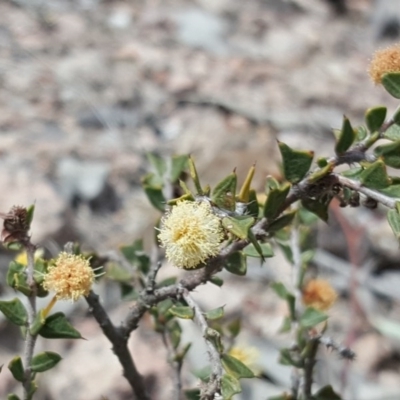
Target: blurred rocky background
[[88, 87]]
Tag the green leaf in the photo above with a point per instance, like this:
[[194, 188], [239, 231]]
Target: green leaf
[[38, 323], [29, 214], [361, 133], [326, 393], [394, 221], [155, 196], [346, 137], [215, 314], [391, 82], [354, 173], [252, 207], [375, 117], [235, 367], [320, 173], [57, 326], [318, 208], [274, 201], [224, 193], [135, 254], [234, 327], [17, 369], [392, 133], [44, 361], [390, 154], [312, 317], [180, 356], [281, 222], [286, 358], [236, 264], [119, 274], [16, 278], [239, 226], [295, 163], [375, 176], [392, 191], [216, 280], [175, 332], [158, 164], [166, 282], [280, 289], [179, 164], [266, 249], [195, 176], [271, 184], [230, 386], [192, 394], [244, 193], [183, 312], [12, 396], [14, 311]]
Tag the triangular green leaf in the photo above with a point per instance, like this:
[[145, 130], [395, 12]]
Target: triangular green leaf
[[215, 314], [57, 326], [17, 369], [295, 163], [375, 117], [312, 317], [14, 311], [375, 176], [390, 154], [192, 394], [281, 222], [179, 164], [175, 332], [392, 191], [230, 386], [155, 196], [236, 264], [266, 250], [392, 133], [346, 137], [235, 367], [326, 393], [318, 208], [275, 199], [158, 164], [224, 193], [394, 221], [12, 396], [239, 226], [44, 361], [391, 82], [16, 278]]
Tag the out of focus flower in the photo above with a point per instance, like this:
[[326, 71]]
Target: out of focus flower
[[319, 294], [70, 277], [248, 356], [190, 234], [384, 62]]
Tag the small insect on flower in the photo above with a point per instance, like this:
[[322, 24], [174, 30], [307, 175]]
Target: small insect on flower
[[319, 294], [70, 277], [190, 234]]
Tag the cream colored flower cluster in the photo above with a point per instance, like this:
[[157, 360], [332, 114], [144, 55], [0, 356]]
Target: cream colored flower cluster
[[190, 234]]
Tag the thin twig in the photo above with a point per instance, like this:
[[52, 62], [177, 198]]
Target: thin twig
[[343, 351], [309, 363], [30, 339], [120, 347], [214, 384]]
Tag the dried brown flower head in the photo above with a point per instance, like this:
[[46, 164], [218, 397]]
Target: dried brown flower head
[[15, 225], [384, 61], [319, 293]]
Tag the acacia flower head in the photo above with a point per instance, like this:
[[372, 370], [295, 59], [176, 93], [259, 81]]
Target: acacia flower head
[[70, 277], [319, 294], [190, 234], [384, 61]]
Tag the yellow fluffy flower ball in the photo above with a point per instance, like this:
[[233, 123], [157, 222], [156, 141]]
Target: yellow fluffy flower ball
[[319, 294], [70, 277], [190, 234], [384, 61]]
